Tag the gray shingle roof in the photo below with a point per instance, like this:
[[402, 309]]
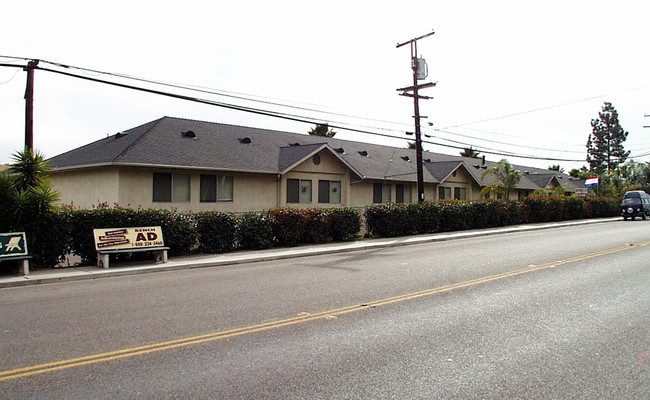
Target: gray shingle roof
[[294, 153], [236, 148]]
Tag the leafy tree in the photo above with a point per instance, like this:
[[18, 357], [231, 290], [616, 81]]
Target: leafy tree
[[560, 190], [322, 130], [605, 144], [610, 185], [582, 173], [506, 177], [555, 168], [539, 192], [469, 152], [636, 174]]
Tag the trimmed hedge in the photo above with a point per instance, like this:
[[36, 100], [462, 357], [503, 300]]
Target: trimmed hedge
[[255, 231], [293, 226], [389, 220], [217, 231], [70, 231]]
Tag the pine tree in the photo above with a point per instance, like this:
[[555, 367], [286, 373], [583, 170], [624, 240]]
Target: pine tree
[[605, 144], [322, 130], [469, 152]]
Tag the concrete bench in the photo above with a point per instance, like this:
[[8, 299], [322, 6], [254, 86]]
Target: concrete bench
[[13, 247], [129, 240], [159, 254], [24, 262]]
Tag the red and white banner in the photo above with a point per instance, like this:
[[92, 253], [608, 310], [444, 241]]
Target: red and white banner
[[591, 181]]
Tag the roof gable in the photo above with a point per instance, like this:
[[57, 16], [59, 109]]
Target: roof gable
[[295, 154]]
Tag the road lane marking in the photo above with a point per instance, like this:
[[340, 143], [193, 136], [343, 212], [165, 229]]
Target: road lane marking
[[304, 317]]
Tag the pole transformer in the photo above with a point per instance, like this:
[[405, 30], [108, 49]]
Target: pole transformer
[[419, 72]]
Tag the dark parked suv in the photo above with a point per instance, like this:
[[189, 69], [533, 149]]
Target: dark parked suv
[[636, 203]]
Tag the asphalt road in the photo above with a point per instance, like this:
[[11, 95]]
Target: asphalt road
[[561, 313]]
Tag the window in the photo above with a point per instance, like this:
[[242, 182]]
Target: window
[[460, 193], [381, 193], [329, 192], [171, 188], [298, 191], [225, 188], [403, 194], [216, 188], [444, 193]]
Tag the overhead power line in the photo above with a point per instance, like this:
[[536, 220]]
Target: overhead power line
[[275, 114]]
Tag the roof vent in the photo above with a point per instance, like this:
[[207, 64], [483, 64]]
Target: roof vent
[[245, 140], [406, 158], [427, 160], [364, 153], [340, 150], [189, 134], [120, 134], [294, 144]]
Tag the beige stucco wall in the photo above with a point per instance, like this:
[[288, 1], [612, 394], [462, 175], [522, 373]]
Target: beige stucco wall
[[133, 187], [251, 192], [461, 178], [87, 188], [330, 168], [361, 193]]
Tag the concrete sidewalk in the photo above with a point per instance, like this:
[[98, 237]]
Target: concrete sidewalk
[[240, 257]]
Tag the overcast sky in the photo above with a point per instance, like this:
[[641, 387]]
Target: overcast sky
[[522, 77]]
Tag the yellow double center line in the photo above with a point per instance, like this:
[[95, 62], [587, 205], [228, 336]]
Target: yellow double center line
[[172, 344]]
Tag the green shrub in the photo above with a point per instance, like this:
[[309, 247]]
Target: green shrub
[[255, 231], [288, 225], [486, 213], [576, 208], [217, 231], [513, 213], [601, 207], [390, 220], [427, 214], [455, 215], [316, 227], [344, 223]]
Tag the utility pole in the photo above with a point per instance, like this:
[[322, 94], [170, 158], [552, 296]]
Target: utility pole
[[29, 105], [419, 67]]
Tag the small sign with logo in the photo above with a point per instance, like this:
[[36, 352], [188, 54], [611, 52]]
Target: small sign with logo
[[13, 244], [128, 238]]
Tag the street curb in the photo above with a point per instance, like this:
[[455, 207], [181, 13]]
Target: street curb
[[74, 274]]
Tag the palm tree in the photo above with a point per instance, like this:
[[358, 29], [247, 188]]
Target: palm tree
[[27, 203], [322, 130], [555, 167], [29, 169], [25, 194], [506, 178]]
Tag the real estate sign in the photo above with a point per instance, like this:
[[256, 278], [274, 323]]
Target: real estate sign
[[127, 238], [13, 244]]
